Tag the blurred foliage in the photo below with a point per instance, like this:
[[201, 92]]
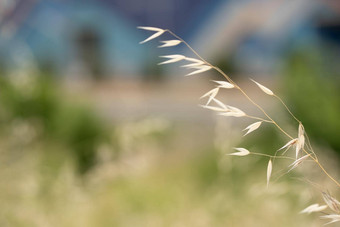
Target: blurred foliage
[[227, 64], [206, 188], [37, 99], [151, 178], [312, 87]]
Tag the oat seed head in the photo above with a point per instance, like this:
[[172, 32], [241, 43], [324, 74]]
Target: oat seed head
[[252, 127], [297, 162], [172, 58], [301, 130], [313, 208], [334, 218], [300, 144], [194, 60], [237, 111], [331, 202], [241, 152], [221, 104], [289, 144], [263, 88], [269, 171], [192, 65], [154, 29], [158, 33], [224, 84], [214, 108], [233, 114], [211, 94], [170, 43], [200, 69]]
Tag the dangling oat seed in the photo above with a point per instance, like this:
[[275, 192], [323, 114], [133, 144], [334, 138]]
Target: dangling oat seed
[[269, 171], [297, 162], [170, 43], [334, 217], [214, 108], [301, 139], [289, 144], [241, 152], [263, 88], [212, 94], [173, 58], [224, 84], [221, 104], [158, 31], [252, 127], [200, 69], [331, 202], [313, 208], [194, 60]]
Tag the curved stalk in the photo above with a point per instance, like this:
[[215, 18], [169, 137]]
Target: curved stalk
[[271, 120]]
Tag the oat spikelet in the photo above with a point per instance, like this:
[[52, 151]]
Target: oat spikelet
[[194, 60], [224, 84], [252, 127], [289, 144], [170, 43], [154, 29], [269, 171], [196, 63], [301, 139], [192, 65], [172, 58], [221, 108], [158, 31], [334, 218], [221, 104], [211, 94], [214, 108], [234, 112], [301, 130], [263, 88], [297, 162], [300, 145], [200, 69], [331, 202], [241, 152], [313, 208]]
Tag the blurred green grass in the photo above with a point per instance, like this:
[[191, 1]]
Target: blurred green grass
[[61, 164], [38, 102]]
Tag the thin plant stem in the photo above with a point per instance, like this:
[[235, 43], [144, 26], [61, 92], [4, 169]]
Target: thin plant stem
[[309, 146], [324, 170], [290, 112], [315, 159], [183, 41]]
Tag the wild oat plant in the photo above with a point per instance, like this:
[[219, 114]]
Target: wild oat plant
[[301, 143]]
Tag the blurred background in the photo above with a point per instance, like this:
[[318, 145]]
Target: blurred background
[[94, 133]]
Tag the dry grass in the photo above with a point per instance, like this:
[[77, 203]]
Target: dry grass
[[301, 145]]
